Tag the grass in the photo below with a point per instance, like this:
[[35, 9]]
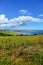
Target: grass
[[7, 33], [21, 50]]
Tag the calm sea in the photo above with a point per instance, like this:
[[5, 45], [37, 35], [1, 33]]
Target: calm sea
[[30, 32]]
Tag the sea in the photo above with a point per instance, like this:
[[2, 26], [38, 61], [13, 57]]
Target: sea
[[30, 32]]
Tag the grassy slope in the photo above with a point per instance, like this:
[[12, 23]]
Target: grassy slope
[[7, 33], [21, 50]]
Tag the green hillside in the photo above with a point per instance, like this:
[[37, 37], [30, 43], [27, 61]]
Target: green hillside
[[7, 33]]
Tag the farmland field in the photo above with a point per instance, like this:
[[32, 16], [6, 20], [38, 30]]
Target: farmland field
[[21, 50]]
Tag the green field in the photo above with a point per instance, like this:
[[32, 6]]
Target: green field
[[21, 50]]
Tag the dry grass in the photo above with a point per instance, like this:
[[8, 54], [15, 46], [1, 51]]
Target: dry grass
[[21, 50]]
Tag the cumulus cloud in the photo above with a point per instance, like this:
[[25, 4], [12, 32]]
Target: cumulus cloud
[[27, 19], [3, 19], [6, 23]]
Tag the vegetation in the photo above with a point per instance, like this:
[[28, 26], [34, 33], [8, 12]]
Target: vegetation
[[7, 33], [21, 50]]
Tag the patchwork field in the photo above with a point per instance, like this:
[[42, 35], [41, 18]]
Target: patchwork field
[[21, 50]]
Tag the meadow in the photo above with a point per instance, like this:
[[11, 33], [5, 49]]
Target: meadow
[[21, 50]]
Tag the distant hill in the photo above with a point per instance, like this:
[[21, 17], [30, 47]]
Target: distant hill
[[7, 33]]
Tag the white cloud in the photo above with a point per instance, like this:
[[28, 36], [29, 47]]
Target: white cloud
[[23, 11], [27, 19], [6, 23], [3, 19], [40, 14]]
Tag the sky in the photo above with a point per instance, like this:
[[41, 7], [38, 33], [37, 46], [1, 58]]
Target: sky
[[21, 14]]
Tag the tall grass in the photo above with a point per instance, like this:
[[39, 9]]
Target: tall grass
[[21, 50]]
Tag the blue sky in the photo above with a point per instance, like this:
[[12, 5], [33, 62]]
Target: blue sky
[[21, 14]]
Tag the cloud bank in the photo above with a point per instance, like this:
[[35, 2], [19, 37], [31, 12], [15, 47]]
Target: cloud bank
[[6, 23]]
